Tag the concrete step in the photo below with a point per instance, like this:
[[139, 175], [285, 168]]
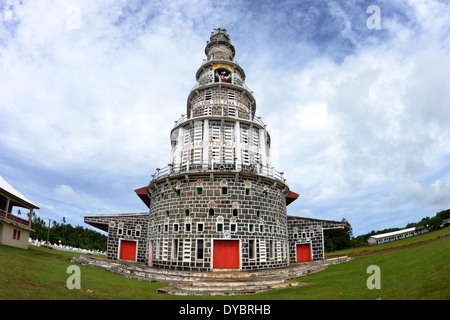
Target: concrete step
[[191, 289], [212, 283]]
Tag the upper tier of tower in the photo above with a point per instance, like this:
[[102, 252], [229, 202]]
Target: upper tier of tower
[[220, 89]]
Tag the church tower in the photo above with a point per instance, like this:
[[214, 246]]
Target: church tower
[[219, 203]]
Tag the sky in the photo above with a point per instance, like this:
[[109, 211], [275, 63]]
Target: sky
[[355, 95]]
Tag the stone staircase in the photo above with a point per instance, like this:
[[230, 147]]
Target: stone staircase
[[212, 283]]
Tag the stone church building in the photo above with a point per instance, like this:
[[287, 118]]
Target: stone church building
[[219, 203]]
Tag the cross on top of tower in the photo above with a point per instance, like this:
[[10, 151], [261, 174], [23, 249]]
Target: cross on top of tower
[[220, 30]]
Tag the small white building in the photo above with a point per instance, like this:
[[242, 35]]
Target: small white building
[[14, 231], [391, 236]]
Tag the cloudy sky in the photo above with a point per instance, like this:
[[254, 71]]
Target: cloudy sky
[[357, 101]]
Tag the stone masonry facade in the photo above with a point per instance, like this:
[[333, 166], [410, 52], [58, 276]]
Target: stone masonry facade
[[185, 210], [309, 231], [123, 227]]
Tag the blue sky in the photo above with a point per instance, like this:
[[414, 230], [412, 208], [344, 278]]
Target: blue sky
[[359, 117]]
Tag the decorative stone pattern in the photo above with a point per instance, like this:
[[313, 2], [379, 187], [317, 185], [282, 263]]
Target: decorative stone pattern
[[130, 227], [309, 231], [228, 207], [212, 94]]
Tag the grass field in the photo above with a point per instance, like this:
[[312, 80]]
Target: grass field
[[419, 272]]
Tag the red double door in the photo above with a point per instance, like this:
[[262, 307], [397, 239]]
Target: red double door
[[226, 254], [303, 252], [128, 250]]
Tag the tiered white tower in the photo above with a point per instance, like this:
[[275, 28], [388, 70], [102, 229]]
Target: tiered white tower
[[220, 130], [219, 203]]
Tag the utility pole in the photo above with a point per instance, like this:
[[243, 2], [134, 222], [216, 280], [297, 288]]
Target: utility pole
[[48, 231]]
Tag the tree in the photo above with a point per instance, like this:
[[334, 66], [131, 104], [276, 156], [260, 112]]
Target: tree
[[78, 236], [338, 239], [443, 214]]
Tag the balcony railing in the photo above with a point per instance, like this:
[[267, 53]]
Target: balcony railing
[[10, 217], [236, 83], [258, 169], [184, 118]]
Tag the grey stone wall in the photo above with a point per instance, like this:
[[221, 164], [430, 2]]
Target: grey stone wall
[[252, 209], [305, 230], [132, 227]]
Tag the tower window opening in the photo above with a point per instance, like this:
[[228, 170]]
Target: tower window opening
[[235, 212], [208, 94], [199, 254], [210, 212], [252, 249], [223, 75], [175, 248]]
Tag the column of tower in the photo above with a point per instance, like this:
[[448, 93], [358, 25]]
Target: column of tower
[[219, 191]]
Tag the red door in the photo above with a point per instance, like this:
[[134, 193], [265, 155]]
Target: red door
[[226, 254], [128, 250], [303, 252]]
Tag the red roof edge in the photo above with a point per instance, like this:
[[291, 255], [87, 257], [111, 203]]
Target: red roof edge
[[292, 196], [142, 193]]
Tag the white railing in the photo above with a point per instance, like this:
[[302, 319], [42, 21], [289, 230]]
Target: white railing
[[243, 85], [257, 169], [184, 118]]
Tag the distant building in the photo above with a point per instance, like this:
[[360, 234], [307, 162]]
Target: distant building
[[445, 223], [219, 203], [392, 236], [14, 231]]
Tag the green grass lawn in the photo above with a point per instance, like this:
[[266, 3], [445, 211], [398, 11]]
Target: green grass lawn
[[394, 244], [420, 272]]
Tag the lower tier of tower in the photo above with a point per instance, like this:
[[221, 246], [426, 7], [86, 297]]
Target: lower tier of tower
[[213, 220], [198, 254]]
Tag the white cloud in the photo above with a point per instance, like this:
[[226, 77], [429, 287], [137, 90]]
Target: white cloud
[[65, 193], [414, 193], [349, 109]]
